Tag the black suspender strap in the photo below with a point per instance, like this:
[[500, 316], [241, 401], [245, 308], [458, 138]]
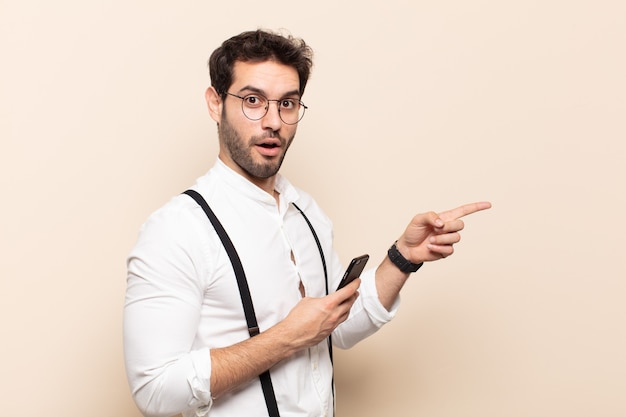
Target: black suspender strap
[[319, 245], [330, 341], [246, 299]]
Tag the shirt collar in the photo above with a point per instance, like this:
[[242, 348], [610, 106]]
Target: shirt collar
[[288, 193]]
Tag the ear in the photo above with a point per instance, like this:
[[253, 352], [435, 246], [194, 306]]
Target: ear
[[214, 103]]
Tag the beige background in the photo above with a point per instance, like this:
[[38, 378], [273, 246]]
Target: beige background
[[414, 106]]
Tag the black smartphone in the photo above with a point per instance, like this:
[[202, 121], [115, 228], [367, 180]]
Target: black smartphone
[[354, 270]]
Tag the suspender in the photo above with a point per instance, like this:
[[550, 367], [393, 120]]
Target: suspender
[[246, 299], [319, 247]]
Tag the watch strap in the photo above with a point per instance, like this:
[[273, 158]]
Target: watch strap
[[400, 261]]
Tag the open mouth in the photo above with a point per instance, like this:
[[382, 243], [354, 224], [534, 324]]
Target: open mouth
[[268, 145], [269, 148]]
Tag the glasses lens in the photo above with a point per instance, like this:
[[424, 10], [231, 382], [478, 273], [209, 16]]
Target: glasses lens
[[254, 107], [291, 111]]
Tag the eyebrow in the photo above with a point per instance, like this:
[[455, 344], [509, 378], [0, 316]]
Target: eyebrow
[[261, 92]]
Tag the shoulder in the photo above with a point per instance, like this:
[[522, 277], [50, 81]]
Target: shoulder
[[178, 230], [178, 215], [176, 246], [181, 215]]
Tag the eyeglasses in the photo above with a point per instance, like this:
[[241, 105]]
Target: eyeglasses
[[255, 107]]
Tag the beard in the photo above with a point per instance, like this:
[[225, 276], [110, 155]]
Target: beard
[[240, 150]]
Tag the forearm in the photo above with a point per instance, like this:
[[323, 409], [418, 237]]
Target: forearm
[[306, 325], [403, 259], [237, 364], [389, 282]]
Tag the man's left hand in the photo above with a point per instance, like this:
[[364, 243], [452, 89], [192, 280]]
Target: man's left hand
[[431, 236]]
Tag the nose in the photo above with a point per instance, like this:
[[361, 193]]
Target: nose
[[272, 119]]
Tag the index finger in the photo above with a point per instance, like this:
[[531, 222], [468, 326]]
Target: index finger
[[464, 210], [347, 291]]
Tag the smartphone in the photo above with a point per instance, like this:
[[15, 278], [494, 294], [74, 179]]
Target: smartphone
[[354, 270]]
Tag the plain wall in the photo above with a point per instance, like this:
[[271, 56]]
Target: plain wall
[[413, 106]]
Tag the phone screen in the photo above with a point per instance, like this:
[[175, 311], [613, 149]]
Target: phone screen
[[354, 270]]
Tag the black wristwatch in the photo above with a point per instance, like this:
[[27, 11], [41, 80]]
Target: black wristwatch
[[400, 261]]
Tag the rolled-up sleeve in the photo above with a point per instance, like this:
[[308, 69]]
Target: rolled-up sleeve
[[161, 315], [367, 314]]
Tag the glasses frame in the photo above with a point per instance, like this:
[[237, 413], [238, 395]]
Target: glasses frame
[[267, 108]]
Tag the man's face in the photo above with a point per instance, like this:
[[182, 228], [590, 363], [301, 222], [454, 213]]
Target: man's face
[[256, 148]]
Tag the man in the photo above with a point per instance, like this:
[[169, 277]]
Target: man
[[187, 344]]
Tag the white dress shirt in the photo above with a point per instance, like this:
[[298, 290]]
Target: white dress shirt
[[182, 299]]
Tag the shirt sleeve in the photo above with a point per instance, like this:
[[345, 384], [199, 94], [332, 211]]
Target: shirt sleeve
[[161, 315], [366, 316]]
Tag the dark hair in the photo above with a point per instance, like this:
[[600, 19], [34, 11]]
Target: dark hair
[[258, 46]]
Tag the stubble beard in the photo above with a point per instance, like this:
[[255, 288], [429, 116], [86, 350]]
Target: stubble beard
[[241, 151]]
